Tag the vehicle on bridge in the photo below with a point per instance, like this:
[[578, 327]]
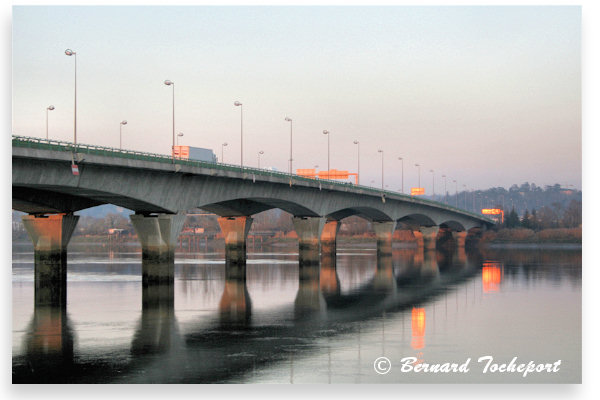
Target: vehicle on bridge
[[194, 153]]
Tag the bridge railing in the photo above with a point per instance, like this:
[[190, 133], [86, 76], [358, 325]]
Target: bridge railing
[[59, 145]]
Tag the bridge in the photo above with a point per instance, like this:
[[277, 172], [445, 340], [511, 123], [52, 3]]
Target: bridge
[[161, 189]]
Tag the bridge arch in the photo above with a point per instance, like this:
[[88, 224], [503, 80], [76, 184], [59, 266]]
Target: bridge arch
[[417, 219], [255, 205], [453, 226], [368, 213], [43, 199]]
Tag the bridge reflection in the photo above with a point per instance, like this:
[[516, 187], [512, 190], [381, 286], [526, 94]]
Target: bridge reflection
[[232, 342]]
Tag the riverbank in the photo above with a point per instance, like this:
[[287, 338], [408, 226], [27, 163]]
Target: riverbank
[[518, 238], [527, 238]]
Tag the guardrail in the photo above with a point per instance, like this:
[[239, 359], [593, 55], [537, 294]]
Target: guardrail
[[58, 145]]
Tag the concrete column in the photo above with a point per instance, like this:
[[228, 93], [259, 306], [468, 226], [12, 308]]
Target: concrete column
[[309, 231], [158, 236], [419, 237], [50, 236], [384, 231], [429, 236], [235, 231], [460, 238], [329, 236]]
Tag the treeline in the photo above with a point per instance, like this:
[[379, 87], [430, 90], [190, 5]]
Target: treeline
[[553, 216], [527, 196]]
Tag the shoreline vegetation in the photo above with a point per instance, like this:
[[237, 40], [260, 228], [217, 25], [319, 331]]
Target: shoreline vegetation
[[521, 238]]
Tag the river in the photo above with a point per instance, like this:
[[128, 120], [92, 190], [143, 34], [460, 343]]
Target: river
[[275, 321]]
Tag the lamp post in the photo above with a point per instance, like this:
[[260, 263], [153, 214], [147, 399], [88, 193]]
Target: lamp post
[[49, 108], [419, 168], [238, 104], [171, 83], [432, 184], [180, 134], [326, 132], [445, 190], [402, 163], [259, 153], [222, 152], [455, 191], [291, 158], [70, 52], [381, 151], [357, 143], [124, 122]]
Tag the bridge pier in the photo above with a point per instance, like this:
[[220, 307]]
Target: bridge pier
[[158, 236], [329, 236], [384, 231], [429, 234], [235, 231], [309, 231], [460, 239], [50, 235]]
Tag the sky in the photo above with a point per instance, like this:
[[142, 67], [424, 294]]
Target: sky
[[488, 96]]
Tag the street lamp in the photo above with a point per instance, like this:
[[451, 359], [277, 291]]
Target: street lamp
[[326, 132], [171, 83], [49, 108], [291, 158], [432, 184], [238, 104], [381, 151], [222, 153], [259, 153], [180, 134], [357, 143], [419, 168], [124, 122], [445, 190], [70, 52], [456, 191], [402, 161]]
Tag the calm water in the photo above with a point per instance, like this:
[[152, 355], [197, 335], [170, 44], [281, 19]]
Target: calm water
[[288, 324]]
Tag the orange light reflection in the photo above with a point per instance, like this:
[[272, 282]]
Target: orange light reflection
[[418, 328], [491, 277]]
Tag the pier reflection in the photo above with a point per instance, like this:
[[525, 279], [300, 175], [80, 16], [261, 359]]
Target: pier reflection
[[157, 327], [48, 344], [309, 300], [235, 307], [227, 333]]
